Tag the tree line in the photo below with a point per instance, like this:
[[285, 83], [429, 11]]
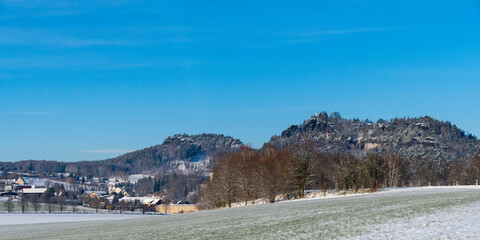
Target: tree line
[[269, 173]]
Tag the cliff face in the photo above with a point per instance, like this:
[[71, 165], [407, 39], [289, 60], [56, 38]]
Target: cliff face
[[409, 137]]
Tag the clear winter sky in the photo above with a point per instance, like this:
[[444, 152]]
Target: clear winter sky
[[86, 80]]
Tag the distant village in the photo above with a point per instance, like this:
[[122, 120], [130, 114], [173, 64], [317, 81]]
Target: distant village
[[65, 192]]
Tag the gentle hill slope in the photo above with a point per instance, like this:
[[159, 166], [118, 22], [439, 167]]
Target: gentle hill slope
[[425, 213]]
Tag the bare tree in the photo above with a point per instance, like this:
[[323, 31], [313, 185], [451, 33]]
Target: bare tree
[[96, 204], [9, 205], [35, 204], [166, 205], [286, 169], [322, 174], [50, 207], [246, 162], [131, 205], [23, 203], [142, 207], [375, 171], [74, 204], [349, 171], [393, 164], [303, 157], [61, 201], [458, 172], [473, 171], [122, 206], [209, 197], [225, 179], [269, 171]]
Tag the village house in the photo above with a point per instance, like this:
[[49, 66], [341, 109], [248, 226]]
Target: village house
[[21, 181], [94, 194], [6, 184]]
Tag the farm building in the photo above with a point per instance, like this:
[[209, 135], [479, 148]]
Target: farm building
[[33, 190], [144, 200], [176, 208]]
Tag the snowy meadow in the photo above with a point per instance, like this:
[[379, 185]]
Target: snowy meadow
[[410, 213]]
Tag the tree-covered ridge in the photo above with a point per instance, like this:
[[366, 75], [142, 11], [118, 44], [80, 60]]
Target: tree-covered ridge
[[409, 137], [423, 137], [178, 148]]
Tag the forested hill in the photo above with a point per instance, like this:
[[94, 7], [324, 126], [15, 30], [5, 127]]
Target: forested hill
[[178, 152], [410, 137], [186, 153]]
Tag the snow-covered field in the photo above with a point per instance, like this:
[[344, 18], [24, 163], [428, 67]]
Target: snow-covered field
[[12, 219], [413, 213]]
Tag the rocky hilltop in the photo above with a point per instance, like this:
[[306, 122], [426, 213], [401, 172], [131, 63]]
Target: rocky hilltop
[[179, 152], [410, 137], [182, 152]]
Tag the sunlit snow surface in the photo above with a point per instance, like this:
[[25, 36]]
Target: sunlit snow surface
[[12, 219], [414, 213]]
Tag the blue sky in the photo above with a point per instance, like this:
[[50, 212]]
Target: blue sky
[[87, 80]]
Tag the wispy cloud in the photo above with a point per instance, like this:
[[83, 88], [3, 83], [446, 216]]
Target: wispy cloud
[[51, 38], [60, 3], [26, 113], [318, 35], [108, 151], [166, 63], [54, 8], [38, 3], [66, 39], [92, 62], [334, 32]]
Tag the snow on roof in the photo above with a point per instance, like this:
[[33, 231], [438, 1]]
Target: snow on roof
[[144, 200], [34, 190], [135, 177], [96, 192]]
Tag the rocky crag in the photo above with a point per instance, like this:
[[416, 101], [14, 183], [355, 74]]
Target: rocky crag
[[410, 137]]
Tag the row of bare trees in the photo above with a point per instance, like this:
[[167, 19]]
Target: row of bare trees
[[33, 203], [249, 174]]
